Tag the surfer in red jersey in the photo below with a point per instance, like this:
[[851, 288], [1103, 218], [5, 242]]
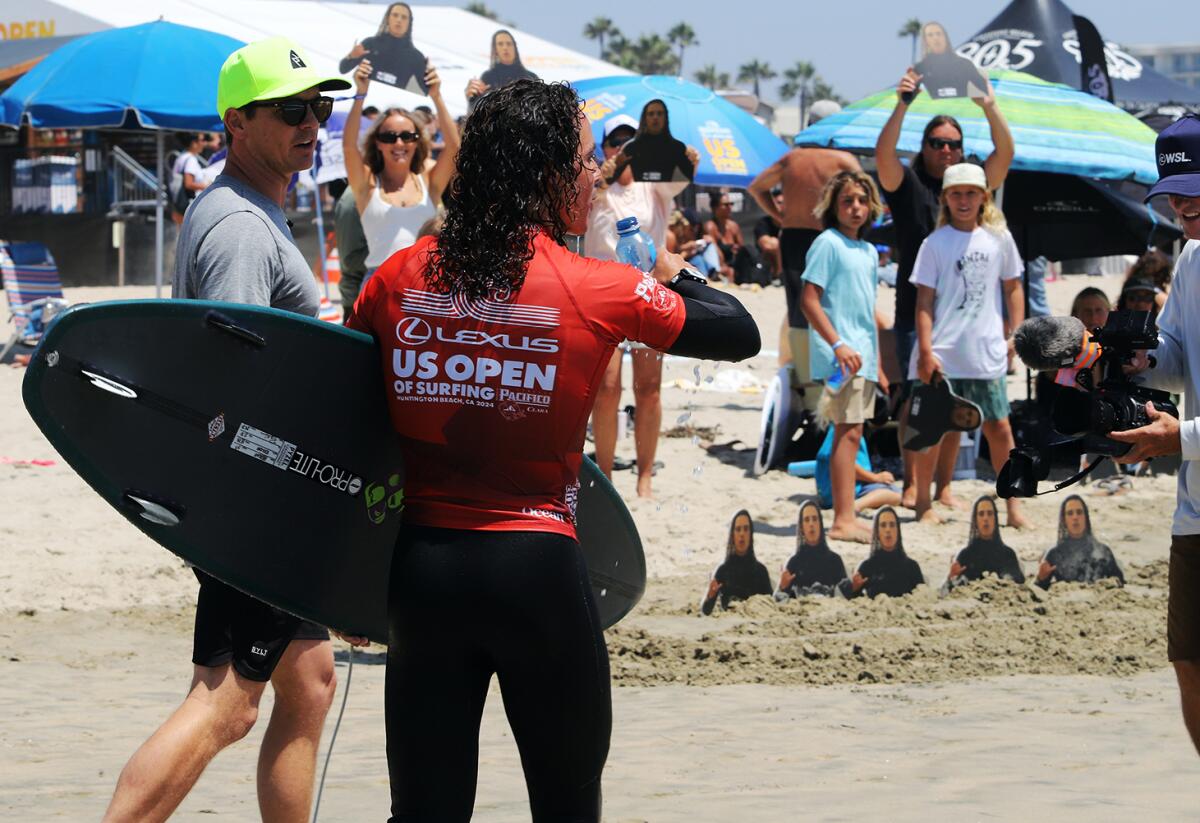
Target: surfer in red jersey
[[494, 339]]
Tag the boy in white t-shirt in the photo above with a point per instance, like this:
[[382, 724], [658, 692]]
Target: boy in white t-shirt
[[965, 272]]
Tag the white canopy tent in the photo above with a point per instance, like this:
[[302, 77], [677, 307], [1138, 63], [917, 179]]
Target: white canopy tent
[[457, 42]]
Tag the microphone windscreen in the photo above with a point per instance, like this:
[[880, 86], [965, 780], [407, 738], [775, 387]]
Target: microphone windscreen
[[1045, 343]]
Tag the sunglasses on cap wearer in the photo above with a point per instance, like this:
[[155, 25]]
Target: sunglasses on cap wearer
[[390, 137], [615, 141], [292, 110], [939, 143]]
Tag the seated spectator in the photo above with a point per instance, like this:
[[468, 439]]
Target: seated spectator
[[741, 575], [815, 568], [887, 569], [985, 550], [699, 251], [1139, 294], [737, 265], [766, 236], [1078, 556], [872, 489], [1155, 267]]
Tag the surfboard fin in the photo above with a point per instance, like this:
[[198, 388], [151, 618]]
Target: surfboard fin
[[227, 324], [154, 511]]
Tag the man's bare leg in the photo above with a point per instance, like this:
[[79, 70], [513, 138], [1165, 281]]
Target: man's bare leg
[[604, 414], [1000, 442], [647, 398], [220, 709], [304, 684], [922, 483], [1187, 672], [947, 457]]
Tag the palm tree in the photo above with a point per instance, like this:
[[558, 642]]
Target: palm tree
[[598, 29], [682, 36], [911, 28], [753, 72], [482, 10], [708, 76], [799, 82]]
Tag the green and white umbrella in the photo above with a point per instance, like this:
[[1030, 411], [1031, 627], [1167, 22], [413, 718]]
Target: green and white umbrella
[[1055, 128]]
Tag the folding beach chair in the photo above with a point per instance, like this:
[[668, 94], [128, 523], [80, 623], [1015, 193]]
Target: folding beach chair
[[33, 289]]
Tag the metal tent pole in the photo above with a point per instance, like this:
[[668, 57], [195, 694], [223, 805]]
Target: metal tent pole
[[158, 218]]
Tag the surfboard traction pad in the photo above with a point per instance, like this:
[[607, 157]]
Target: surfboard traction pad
[[303, 511]]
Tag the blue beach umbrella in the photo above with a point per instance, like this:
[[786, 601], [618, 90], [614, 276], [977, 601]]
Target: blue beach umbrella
[[1055, 128], [733, 146], [157, 75]]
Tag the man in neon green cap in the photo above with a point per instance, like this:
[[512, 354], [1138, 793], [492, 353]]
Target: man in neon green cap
[[235, 244]]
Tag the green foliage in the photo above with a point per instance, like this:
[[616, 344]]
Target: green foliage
[[753, 72], [600, 28], [683, 36], [911, 28]]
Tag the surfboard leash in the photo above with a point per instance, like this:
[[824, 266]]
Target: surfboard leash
[[333, 737]]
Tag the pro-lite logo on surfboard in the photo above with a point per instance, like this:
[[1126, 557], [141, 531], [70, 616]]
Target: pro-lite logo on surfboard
[[284, 455]]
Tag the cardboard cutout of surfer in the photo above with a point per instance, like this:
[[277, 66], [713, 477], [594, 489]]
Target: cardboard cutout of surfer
[[986, 551], [741, 575], [505, 68], [656, 156], [394, 59], [1078, 556], [887, 569], [945, 74], [815, 569]]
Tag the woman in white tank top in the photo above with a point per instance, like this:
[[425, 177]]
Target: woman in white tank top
[[393, 190]]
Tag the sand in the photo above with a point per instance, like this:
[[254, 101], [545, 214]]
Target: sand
[[997, 702]]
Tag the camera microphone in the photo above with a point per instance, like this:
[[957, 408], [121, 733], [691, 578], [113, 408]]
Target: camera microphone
[[1048, 343]]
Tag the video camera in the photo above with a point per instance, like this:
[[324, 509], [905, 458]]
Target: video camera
[[1085, 411]]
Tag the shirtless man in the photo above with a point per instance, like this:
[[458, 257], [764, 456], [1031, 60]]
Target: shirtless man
[[802, 172]]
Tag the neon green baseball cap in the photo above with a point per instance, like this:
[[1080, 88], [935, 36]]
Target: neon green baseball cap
[[266, 70]]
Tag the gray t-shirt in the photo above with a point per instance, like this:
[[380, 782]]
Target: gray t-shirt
[[235, 246]]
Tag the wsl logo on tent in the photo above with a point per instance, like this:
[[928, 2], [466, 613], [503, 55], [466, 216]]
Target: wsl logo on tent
[[297, 63]]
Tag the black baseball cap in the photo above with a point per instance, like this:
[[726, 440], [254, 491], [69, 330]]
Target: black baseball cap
[[1177, 150]]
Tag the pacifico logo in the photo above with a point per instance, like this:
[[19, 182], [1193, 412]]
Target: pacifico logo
[[1171, 158]]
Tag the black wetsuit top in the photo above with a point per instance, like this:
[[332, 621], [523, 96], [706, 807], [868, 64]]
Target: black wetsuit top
[[817, 570], [889, 573], [741, 577], [501, 75], [394, 55], [981, 556], [1081, 560]]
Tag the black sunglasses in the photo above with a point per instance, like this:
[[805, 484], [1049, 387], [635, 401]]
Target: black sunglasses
[[392, 136], [939, 143], [615, 141], [293, 110]]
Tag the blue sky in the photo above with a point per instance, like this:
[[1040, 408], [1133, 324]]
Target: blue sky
[[852, 43]]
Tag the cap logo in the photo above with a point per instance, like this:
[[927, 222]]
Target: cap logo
[[297, 63], [1172, 158]]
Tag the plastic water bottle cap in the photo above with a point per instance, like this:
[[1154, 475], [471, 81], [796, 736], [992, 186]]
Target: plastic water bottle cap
[[627, 225]]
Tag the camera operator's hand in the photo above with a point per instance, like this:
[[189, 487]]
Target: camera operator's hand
[[1139, 363], [1159, 437]]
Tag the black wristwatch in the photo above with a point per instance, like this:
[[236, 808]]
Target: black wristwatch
[[688, 273]]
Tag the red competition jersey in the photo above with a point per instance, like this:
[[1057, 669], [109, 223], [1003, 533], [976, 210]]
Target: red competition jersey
[[491, 397]]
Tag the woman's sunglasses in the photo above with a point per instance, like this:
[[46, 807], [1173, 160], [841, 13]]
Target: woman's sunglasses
[[939, 143], [392, 136], [293, 110]]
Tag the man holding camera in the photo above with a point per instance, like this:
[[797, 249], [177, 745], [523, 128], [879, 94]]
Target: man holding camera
[[1178, 368]]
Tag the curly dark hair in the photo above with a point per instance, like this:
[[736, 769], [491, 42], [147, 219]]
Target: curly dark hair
[[516, 173]]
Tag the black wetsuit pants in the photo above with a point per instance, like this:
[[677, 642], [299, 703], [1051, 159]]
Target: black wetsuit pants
[[464, 605]]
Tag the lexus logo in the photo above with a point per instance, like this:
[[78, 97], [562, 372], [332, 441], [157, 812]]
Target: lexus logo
[[413, 331]]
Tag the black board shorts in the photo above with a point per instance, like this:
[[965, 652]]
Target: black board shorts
[[1183, 600], [793, 251], [234, 627]]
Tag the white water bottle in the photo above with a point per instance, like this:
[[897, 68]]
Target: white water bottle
[[634, 246]]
